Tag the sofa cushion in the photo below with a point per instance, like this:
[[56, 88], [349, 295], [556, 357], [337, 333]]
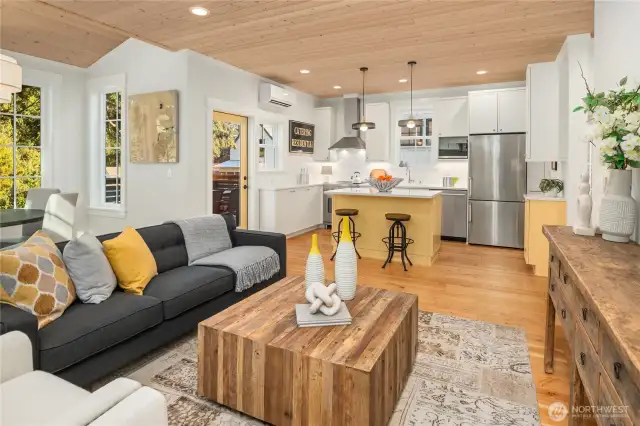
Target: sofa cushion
[[183, 288], [37, 398], [86, 329], [167, 245]]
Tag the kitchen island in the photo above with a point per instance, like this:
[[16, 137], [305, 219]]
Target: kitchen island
[[424, 206]]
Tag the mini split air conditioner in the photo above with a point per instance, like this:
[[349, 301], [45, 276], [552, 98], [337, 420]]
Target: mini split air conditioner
[[275, 95]]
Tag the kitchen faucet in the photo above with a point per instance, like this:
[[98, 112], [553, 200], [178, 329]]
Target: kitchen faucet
[[409, 172]]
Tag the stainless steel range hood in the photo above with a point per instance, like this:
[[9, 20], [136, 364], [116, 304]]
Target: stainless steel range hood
[[351, 139]]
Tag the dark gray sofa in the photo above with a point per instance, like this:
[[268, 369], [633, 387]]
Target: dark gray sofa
[[91, 341]]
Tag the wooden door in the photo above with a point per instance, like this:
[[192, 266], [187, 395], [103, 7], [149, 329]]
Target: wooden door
[[230, 166], [483, 113]]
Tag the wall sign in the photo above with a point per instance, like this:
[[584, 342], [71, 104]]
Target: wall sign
[[301, 137]]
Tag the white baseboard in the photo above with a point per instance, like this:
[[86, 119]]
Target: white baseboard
[[302, 231]]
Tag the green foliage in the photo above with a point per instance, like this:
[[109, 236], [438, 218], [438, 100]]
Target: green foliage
[[547, 185], [26, 125], [224, 139]]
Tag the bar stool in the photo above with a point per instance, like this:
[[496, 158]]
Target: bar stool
[[348, 213], [397, 240]]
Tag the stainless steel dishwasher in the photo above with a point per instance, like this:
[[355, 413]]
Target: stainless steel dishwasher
[[454, 214]]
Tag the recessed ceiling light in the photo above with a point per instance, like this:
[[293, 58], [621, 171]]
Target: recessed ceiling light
[[481, 72], [402, 80], [337, 87], [198, 11], [304, 71]]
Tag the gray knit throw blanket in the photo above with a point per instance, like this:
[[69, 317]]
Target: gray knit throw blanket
[[208, 244]]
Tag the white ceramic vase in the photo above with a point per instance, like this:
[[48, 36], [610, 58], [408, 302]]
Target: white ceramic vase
[[618, 211], [314, 271], [346, 265]]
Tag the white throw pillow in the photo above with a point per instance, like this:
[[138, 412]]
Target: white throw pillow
[[89, 269]]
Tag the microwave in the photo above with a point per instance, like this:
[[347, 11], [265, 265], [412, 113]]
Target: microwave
[[453, 147]]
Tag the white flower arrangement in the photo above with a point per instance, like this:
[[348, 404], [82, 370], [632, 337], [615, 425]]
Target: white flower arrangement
[[615, 124]]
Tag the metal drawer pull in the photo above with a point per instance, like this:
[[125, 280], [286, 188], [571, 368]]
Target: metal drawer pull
[[583, 358], [553, 287], [616, 369], [584, 314], [565, 278], [553, 258], [564, 314]]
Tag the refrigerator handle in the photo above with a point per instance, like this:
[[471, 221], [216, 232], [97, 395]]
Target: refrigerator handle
[[469, 212], [470, 182]]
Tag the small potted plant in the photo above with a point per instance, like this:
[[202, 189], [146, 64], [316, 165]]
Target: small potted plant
[[551, 187]]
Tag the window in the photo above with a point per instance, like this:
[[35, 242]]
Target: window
[[112, 147], [415, 144], [267, 147], [20, 144]]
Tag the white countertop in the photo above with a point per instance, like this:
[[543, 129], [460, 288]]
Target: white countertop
[[539, 196], [281, 188], [395, 192], [435, 186]]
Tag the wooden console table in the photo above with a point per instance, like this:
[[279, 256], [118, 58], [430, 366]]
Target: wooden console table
[[594, 287]]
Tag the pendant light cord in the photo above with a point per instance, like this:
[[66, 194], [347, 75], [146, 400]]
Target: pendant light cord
[[411, 91], [364, 106]]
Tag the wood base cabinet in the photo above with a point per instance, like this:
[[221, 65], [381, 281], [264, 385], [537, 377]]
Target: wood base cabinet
[[593, 290]]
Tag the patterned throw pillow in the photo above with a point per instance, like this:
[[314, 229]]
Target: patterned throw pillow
[[33, 278]]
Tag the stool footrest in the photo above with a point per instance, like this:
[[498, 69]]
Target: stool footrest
[[387, 243]]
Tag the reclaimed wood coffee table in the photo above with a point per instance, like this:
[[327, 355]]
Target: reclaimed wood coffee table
[[253, 358]]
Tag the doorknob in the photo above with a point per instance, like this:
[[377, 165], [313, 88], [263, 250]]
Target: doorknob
[[244, 187]]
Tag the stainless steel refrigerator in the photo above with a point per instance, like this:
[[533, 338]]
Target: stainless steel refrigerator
[[497, 184]]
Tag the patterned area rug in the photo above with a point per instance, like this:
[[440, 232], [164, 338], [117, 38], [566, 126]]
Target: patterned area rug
[[466, 373]]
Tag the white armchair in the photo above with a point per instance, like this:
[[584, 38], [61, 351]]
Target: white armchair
[[36, 398]]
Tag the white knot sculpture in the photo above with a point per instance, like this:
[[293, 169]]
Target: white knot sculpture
[[323, 299]]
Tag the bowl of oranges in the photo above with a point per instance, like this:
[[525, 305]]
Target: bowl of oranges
[[384, 182]]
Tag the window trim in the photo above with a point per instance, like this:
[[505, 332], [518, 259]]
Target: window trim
[[97, 88], [275, 145]]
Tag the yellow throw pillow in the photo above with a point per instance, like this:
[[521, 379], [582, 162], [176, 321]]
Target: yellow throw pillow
[[131, 260], [33, 278]]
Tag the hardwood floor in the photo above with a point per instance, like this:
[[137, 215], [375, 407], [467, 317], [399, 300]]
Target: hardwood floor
[[481, 283]]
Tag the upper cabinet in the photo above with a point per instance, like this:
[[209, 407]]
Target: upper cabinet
[[512, 111], [377, 139], [497, 111], [322, 120], [543, 102], [452, 117]]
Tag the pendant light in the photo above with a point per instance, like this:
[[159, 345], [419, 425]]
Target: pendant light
[[10, 78], [363, 125], [410, 123]]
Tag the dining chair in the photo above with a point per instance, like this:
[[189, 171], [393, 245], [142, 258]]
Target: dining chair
[[60, 216], [36, 199]]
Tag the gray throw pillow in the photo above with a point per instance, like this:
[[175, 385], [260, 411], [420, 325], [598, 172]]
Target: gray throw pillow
[[89, 269]]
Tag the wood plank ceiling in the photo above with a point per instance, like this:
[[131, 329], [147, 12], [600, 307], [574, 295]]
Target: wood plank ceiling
[[450, 39]]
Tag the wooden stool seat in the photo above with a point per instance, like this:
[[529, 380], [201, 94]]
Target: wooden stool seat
[[401, 217], [346, 212]]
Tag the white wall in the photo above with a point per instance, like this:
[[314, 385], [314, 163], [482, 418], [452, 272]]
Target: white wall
[[615, 56], [429, 172], [155, 193], [63, 121]]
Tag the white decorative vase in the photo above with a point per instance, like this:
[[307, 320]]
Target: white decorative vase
[[346, 272], [618, 211], [314, 271]]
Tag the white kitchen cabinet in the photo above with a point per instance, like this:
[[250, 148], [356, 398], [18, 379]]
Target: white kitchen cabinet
[[483, 112], [512, 111], [497, 111], [377, 139], [452, 117], [291, 210], [322, 120], [543, 102]]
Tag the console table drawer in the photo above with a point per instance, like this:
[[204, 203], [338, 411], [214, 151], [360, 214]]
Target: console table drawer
[[613, 412], [566, 283], [587, 317], [563, 310], [617, 368], [554, 264], [587, 361]]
